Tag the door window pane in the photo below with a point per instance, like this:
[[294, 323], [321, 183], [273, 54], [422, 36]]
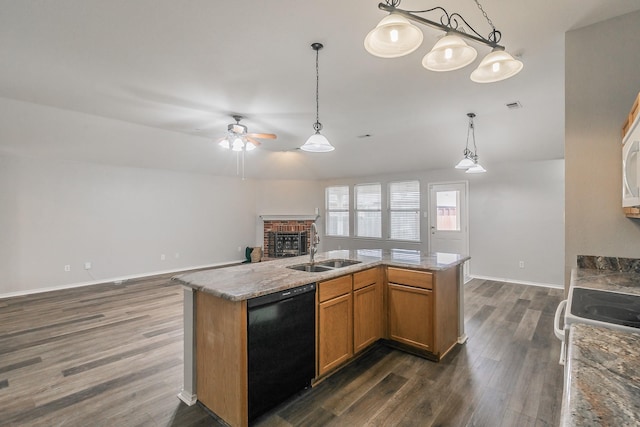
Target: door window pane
[[447, 203]]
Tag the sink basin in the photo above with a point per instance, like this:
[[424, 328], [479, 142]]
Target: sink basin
[[310, 268], [338, 263], [321, 266]]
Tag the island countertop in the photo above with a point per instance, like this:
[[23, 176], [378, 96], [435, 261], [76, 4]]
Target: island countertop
[[244, 281]]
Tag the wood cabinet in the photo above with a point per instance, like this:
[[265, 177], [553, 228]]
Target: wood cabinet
[[422, 310], [410, 309], [335, 323], [368, 318]]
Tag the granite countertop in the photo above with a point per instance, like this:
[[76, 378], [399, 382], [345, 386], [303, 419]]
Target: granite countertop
[[241, 282], [603, 387], [603, 364], [627, 282]]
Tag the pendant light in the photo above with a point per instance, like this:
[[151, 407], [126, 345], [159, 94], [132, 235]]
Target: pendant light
[[394, 36], [449, 53], [317, 143], [497, 65], [470, 158]]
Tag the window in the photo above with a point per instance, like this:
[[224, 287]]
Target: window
[[447, 218], [404, 210], [368, 210], [337, 207]]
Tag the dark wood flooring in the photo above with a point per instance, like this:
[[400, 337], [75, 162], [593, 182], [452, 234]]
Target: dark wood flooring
[[111, 355]]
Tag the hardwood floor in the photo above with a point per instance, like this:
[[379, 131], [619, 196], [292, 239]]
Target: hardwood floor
[[111, 355]]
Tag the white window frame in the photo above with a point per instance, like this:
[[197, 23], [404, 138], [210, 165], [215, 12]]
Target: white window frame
[[356, 210], [391, 210]]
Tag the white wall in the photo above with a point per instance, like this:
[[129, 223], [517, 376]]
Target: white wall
[[120, 219], [515, 214], [601, 82]]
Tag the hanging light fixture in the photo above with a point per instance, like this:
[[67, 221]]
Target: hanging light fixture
[[395, 36], [317, 143], [470, 158]]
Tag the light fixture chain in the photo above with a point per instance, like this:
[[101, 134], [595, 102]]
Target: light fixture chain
[[485, 14]]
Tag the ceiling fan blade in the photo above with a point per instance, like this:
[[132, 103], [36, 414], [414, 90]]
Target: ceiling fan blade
[[253, 141], [263, 135]]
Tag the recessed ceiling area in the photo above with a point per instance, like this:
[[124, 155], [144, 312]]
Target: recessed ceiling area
[[187, 67]]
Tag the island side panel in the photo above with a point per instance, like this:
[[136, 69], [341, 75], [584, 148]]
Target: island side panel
[[446, 310], [221, 357]]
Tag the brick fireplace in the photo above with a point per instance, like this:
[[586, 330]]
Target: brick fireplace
[[286, 235]]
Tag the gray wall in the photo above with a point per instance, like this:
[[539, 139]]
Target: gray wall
[[515, 213], [602, 80]]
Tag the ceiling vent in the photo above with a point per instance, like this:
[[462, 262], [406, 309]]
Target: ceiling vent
[[514, 105]]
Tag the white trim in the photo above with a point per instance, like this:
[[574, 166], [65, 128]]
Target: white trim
[[289, 217], [116, 280], [188, 398], [518, 282]]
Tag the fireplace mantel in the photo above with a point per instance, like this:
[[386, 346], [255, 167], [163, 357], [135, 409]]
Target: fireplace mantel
[[312, 217]]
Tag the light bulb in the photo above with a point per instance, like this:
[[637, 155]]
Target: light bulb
[[495, 67], [448, 53], [393, 34]]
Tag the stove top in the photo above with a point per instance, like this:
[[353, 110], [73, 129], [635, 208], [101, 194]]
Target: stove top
[[604, 308]]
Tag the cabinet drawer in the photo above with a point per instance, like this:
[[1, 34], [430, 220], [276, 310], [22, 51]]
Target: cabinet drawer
[[365, 278], [334, 288], [419, 279]]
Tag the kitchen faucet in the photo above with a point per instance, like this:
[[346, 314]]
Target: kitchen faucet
[[315, 239]]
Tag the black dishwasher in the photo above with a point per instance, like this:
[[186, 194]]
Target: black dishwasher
[[280, 345]]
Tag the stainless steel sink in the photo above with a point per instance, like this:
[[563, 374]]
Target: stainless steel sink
[[328, 265], [310, 268], [338, 263]]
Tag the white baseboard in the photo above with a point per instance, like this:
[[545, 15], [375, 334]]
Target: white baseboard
[[519, 282], [188, 398], [118, 280]]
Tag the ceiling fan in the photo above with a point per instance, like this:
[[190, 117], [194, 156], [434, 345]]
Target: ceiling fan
[[238, 139]]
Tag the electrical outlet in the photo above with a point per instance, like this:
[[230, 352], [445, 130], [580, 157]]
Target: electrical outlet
[[67, 267], [163, 257], [87, 265], [177, 255], [521, 264], [239, 248]]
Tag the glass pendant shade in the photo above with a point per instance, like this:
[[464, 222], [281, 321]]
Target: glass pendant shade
[[249, 146], [497, 65], [237, 145], [476, 168], [394, 36], [449, 53], [224, 144], [317, 143], [465, 163]]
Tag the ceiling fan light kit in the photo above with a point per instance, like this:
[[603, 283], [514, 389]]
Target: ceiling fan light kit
[[396, 36], [317, 143], [470, 158], [239, 140]]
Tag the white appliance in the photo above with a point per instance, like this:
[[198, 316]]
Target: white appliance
[[607, 309], [631, 166]]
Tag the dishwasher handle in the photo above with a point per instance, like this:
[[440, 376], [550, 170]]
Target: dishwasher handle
[[556, 321]]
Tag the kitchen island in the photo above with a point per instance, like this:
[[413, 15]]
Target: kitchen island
[[405, 298]]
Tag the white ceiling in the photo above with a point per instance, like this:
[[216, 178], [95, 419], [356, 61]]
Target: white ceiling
[[186, 66]]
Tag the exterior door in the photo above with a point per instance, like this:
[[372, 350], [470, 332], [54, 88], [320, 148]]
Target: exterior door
[[449, 218]]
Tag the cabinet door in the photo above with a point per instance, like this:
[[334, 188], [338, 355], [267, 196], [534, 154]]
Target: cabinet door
[[335, 332], [367, 316], [411, 316]]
